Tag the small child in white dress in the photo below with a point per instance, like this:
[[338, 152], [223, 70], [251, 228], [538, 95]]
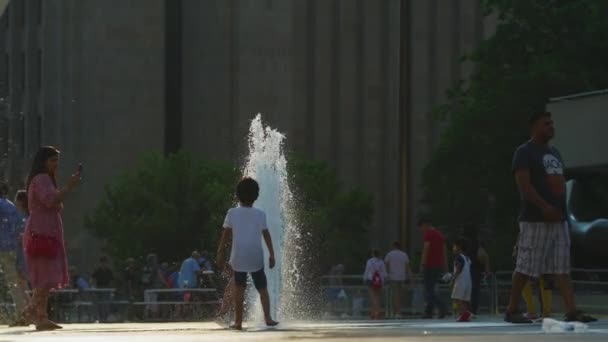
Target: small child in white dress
[[461, 282]]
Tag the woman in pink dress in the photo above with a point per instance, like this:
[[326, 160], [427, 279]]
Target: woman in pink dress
[[43, 238]]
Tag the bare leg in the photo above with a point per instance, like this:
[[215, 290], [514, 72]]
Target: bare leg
[[22, 284], [565, 288], [519, 281], [464, 306], [546, 294], [228, 298], [374, 301], [32, 308], [41, 305], [265, 299], [45, 305], [529, 299], [40, 302], [239, 294]]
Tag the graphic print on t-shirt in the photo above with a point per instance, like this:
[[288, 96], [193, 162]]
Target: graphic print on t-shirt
[[555, 174], [552, 165]]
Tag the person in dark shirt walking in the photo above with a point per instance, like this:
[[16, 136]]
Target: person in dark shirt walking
[[544, 237]]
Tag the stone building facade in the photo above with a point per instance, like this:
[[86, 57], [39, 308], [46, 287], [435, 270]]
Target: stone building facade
[[350, 82]]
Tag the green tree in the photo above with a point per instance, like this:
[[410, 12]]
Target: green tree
[[333, 222], [167, 205], [172, 205], [541, 49]]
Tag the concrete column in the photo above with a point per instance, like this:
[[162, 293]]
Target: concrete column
[[207, 83], [390, 136], [324, 87], [347, 156]]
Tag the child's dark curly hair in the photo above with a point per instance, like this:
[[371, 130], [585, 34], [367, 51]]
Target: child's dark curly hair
[[247, 191]]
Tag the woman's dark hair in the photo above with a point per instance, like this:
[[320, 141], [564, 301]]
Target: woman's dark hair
[[39, 164], [247, 191], [21, 196], [375, 253]]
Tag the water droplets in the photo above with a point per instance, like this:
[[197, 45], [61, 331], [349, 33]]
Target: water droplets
[[268, 165]]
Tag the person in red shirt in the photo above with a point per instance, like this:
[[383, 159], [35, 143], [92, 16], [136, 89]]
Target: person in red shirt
[[433, 264]]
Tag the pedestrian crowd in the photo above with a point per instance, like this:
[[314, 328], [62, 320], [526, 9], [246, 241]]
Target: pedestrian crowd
[[394, 272]]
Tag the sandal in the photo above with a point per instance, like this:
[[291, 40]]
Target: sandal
[[516, 318], [579, 316], [48, 325], [272, 323]]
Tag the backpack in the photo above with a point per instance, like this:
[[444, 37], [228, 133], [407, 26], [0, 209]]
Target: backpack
[[376, 280]]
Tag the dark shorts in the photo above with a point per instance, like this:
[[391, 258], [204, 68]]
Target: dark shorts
[[259, 279]]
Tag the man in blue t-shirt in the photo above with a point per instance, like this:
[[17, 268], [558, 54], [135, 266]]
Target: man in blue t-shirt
[[9, 223], [544, 237], [188, 274]]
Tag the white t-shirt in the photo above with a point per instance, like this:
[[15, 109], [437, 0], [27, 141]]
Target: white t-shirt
[[397, 261], [247, 225], [374, 265]]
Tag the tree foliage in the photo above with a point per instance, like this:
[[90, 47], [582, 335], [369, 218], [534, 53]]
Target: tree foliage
[[172, 205], [333, 221], [169, 206], [541, 49]]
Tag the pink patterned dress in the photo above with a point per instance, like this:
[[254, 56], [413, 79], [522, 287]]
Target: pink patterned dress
[[45, 219]]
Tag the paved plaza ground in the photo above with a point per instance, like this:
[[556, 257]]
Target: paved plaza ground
[[491, 330]]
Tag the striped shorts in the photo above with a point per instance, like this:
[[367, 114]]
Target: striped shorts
[[543, 248]]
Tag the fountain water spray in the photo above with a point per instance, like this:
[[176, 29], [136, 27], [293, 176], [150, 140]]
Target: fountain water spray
[[267, 164]]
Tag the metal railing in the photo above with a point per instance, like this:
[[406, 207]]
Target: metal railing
[[344, 297], [108, 305], [348, 296]]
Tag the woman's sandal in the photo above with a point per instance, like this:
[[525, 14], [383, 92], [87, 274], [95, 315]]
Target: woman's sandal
[[48, 325]]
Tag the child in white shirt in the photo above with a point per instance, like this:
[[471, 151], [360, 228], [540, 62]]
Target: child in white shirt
[[245, 226], [374, 276], [462, 283]]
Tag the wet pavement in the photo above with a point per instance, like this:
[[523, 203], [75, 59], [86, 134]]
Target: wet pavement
[[407, 330]]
